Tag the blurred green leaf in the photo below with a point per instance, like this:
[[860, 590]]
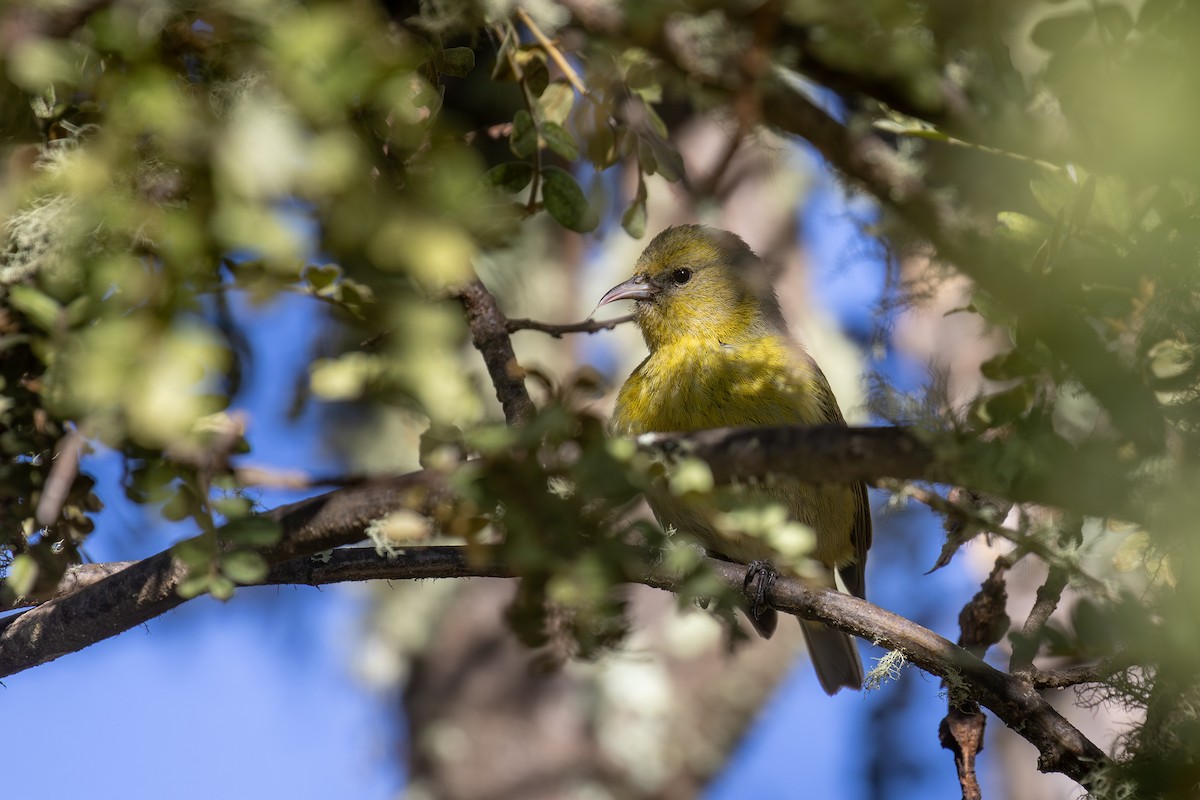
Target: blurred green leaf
[[194, 586], [634, 218], [511, 176], [41, 309], [196, 552], [1023, 228], [556, 102], [1062, 31], [221, 588], [244, 567], [1007, 366], [22, 575], [524, 137], [252, 531], [560, 141], [566, 202], [458, 62]]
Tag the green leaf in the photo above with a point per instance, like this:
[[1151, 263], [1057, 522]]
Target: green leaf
[[1002, 407], [1112, 207], [196, 552], [1062, 31], [511, 176], [645, 155], [670, 162], [22, 574], [566, 202], [560, 141], [252, 532], [556, 102], [1054, 192], [181, 506], [1007, 366], [41, 309], [602, 146], [194, 586], [914, 128], [537, 77], [232, 507], [656, 122], [1171, 359], [1083, 202], [79, 311], [524, 138], [457, 62], [1022, 228], [322, 277], [1131, 554], [634, 218], [244, 566], [221, 587]]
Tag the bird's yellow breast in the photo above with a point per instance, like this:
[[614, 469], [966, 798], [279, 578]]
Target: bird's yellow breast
[[694, 384]]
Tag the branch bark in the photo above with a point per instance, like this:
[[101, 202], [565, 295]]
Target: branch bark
[[1016, 702], [823, 454], [123, 599], [489, 334]]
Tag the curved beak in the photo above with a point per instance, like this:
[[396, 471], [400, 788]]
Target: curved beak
[[636, 288]]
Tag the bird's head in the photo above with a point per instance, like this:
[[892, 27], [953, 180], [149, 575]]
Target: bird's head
[[698, 282]]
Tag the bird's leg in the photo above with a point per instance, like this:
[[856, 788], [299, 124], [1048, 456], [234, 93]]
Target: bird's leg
[[760, 576]]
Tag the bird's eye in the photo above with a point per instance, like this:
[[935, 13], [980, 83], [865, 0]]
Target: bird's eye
[[681, 276]]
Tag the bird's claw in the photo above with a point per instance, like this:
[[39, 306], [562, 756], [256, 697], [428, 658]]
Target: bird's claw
[[760, 577]]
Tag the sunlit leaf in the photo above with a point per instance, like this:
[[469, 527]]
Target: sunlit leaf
[[556, 102]]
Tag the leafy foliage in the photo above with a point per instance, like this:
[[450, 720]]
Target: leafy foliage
[[162, 158]]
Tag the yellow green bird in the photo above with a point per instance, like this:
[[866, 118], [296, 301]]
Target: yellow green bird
[[721, 356]]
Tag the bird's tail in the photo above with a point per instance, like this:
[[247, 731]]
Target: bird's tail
[[834, 656]]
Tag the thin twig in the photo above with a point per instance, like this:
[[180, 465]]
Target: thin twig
[[552, 50], [557, 331], [1023, 542], [1066, 677], [489, 334], [61, 478], [1048, 594]]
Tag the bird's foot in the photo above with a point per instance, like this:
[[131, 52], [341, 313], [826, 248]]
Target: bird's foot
[[760, 576]]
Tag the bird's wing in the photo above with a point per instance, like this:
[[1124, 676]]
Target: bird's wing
[[854, 575]]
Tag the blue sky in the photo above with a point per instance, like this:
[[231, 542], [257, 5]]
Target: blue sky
[[256, 698]]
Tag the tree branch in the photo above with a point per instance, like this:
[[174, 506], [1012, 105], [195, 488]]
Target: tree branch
[[834, 454], [1063, 748], [489, 334], [148, 588], [557, 331], [1085, 673], [1048, 595], [830, 454]]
